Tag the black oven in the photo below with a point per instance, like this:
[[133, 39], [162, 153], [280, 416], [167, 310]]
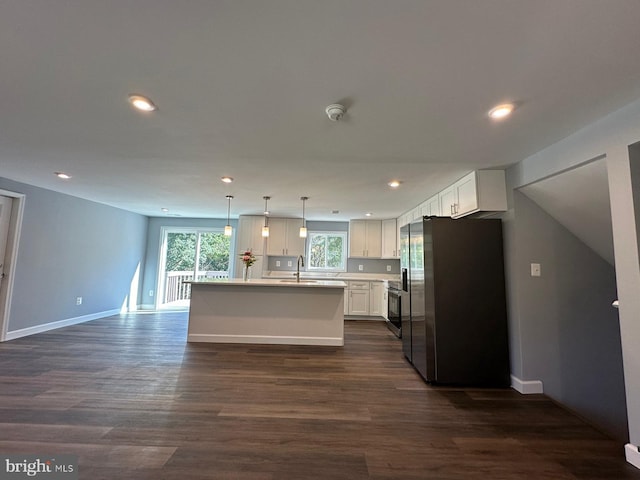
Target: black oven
[[394, 312]]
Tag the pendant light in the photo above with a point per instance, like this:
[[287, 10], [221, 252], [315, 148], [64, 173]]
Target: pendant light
[[265, 229], [227, 229], [303, 228]]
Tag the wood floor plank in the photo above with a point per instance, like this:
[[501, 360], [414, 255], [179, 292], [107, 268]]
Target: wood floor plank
[[133, 399]]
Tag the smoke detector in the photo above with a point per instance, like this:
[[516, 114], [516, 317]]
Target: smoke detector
[[335, 112]]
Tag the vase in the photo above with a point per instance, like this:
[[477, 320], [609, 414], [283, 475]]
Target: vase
[[246, 273]]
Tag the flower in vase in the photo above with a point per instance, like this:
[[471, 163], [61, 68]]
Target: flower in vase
[[248, 258]]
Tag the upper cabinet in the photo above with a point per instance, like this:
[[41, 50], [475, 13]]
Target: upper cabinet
[[249, 234], [479, 191], [365, 238], [390, 248], [284, 237], [431, 208], [447, 199]]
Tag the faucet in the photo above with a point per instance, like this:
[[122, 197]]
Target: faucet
[[299, 263]]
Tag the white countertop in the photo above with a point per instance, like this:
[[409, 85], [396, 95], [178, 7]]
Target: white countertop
[[271, 282], [344, 276]]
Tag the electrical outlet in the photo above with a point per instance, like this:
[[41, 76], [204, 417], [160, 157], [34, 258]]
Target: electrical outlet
[[151, 293], [78, 300], [277, 263], [289, 263], [388, 268], [535, 270], [360, 268]]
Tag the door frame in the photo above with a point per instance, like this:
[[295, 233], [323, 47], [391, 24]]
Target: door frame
[[11, 255], [162, 255]]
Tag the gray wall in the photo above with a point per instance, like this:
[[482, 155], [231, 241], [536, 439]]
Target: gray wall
[[610, 138], [566, 332], [153, 245], [71, 248]]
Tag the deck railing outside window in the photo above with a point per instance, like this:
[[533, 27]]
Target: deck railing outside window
[[175, 288]]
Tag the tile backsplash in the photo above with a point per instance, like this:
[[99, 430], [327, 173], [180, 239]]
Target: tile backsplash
[[369, 265]]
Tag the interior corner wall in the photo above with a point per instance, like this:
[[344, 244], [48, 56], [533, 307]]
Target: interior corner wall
[[569, 333], [511, 279], [69, 248]]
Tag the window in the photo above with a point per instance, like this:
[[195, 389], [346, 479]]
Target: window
[[327, 251]]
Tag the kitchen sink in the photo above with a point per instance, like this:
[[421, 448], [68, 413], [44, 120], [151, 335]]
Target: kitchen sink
[[293, 280]]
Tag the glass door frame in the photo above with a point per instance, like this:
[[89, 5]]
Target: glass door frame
[[162, 258]]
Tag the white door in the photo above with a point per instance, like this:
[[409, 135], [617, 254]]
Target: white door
[[5, 216]]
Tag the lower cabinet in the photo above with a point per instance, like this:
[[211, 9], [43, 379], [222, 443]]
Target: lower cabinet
[[375, 299], [346, 300], [365, 299], [358, 298]]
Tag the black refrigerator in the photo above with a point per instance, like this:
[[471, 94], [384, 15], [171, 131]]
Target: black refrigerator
[[455, 329]]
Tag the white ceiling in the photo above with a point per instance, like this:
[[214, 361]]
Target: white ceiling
[[579, 200], [242, 86]]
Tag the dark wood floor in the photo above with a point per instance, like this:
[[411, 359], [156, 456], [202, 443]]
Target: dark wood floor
[[133, 400]]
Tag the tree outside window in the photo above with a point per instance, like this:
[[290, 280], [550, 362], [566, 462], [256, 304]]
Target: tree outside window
[[327, 251]]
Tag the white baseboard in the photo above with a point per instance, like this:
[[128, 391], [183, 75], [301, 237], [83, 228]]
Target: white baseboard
[[632, 454], [526, 387], [45, 327], [274, 340]]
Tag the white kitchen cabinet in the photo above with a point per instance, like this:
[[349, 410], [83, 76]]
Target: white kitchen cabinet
[[390, 245], [402, 220], [466, 195], [365, 238], [284, 237], [432, 207], [385, 302], [482, 190], [358, 298], [346, 300], [249, 234], [447, 201], [376, 294]]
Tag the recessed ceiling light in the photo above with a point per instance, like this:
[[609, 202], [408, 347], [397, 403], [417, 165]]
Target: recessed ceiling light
[[501, 111], [227, 179], [62, 175], [394, 183], [164, 210], [368, 214], [142, 103], [335, 212]]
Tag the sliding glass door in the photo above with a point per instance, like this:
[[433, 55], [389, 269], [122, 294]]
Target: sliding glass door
[[187, 254]]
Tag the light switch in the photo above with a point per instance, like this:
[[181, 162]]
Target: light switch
[[535, 270], [289, 263], [361, 267], [388, 268]]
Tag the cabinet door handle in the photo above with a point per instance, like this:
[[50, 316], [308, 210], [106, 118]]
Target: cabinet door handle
[[451, 208]]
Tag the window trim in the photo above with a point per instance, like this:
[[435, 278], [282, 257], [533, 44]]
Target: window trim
[[343, 268]]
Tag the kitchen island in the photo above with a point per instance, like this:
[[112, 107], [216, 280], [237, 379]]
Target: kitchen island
[[276, 311]]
